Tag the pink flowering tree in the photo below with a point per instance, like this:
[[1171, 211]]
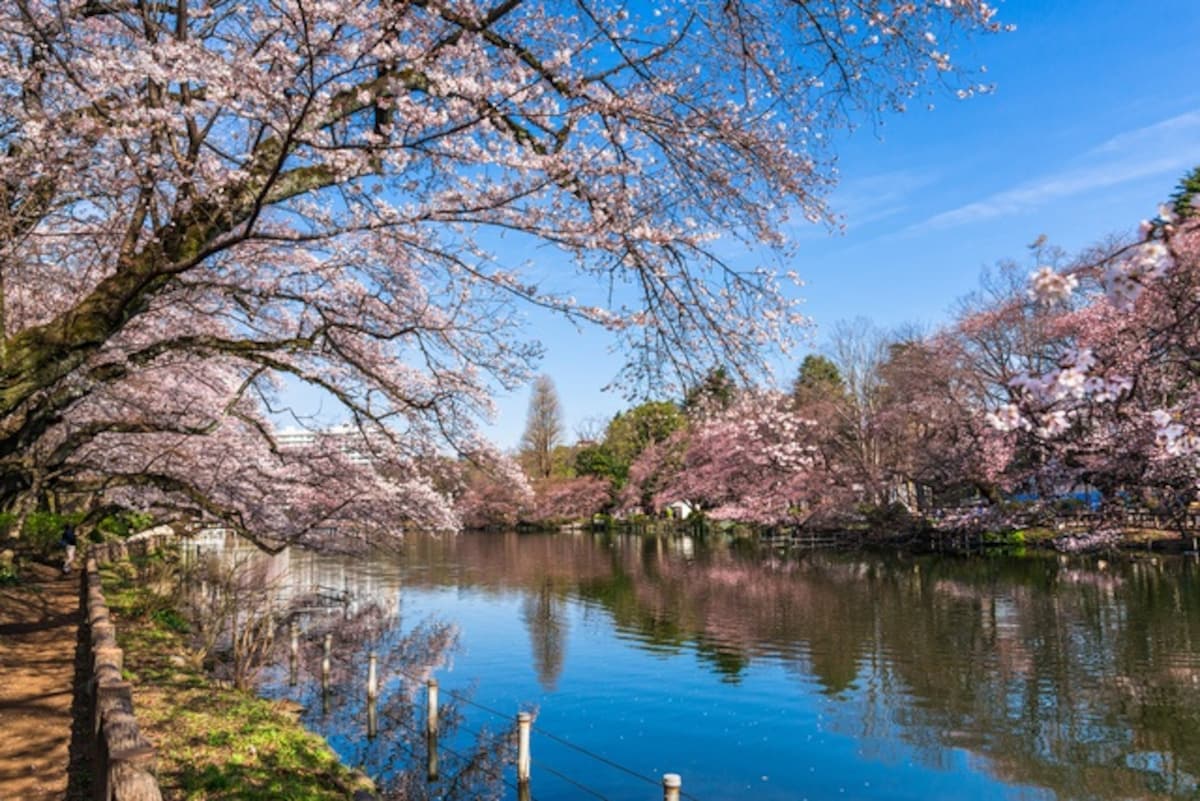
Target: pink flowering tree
[[491, 493], [567, 499], [759, 461], [1118, 410], [658, 466], [204, 202]]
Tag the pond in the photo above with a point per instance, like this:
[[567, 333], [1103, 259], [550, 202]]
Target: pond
[[760, 674]]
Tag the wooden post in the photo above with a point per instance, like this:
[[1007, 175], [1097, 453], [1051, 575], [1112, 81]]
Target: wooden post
[[372, 681], [326, 665], [431, 756], [431, 706], [671, 786], [294, 653], [524, 720], [431, 730], [372, 719]]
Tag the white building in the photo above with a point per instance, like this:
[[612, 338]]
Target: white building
[[346, 438]]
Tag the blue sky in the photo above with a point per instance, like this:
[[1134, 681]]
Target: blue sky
[[1095, 117]]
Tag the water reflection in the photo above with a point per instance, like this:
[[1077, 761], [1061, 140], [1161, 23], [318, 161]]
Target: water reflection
[[333, 628], [1075, 678], [543, 613]]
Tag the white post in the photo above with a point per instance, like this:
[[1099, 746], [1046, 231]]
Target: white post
[[326, 665], [524, 721], [372, 681], [431, 706], [671, 785], [294, 656]]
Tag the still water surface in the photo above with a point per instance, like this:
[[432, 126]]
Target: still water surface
[[759, 675]]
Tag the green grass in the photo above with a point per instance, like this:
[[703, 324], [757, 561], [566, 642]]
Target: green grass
[[213, 742]]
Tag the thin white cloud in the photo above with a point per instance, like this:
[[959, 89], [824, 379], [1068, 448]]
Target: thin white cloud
[[1184, 126], [860, 201], [1171, 145], [877, 197]]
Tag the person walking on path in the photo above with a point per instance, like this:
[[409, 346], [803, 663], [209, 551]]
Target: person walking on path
[[68, 540]]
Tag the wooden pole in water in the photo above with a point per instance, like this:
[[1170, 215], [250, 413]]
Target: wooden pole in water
[[294, 653], [524, 721], [431, 730], [326, 665], [431, 706], [372, 680], [671, 786], [431, 756], [372, 719]]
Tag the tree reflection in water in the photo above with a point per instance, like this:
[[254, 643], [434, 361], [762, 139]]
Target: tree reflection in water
[[470, 765], [1074, 676], [544, 616]]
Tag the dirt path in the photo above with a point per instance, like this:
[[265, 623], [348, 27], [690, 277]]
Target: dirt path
[[39, 620]]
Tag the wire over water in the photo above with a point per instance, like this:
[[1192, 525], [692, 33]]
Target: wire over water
[[569, 780], [560, 740]]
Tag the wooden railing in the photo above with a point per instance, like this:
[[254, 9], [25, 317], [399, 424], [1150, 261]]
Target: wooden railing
[[1135, 518], [124, 760]]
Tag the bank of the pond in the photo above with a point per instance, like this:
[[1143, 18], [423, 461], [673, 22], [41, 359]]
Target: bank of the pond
[[214, 742], [1066, 535]]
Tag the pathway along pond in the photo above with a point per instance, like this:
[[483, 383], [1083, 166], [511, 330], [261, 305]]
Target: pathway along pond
[[759, 675]]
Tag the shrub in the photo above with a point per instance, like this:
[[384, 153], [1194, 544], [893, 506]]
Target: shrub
[[8, 573], [892, 517], [124, 524], [43, 531]]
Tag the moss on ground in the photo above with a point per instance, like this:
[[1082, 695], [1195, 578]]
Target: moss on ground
[[1036, 535], [213, 742]]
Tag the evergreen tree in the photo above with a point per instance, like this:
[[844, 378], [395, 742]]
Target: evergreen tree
[[1187, 195]]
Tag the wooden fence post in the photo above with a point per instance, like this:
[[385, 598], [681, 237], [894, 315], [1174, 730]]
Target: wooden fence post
[[431, 706], [294, 653], [524, 721], [431, 756], [326, 664], [431, 730]]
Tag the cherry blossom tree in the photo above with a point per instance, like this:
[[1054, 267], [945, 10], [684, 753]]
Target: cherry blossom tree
[[656, 467], [206, 202], [578, 498], [1118, 410], [495, 495], [757, 462]]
